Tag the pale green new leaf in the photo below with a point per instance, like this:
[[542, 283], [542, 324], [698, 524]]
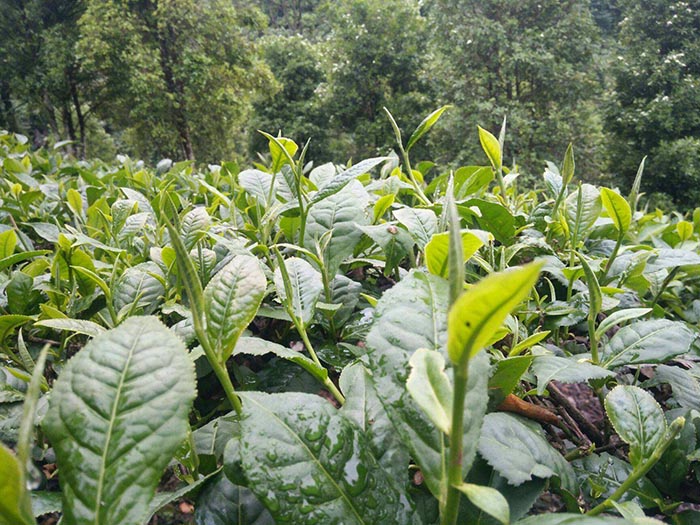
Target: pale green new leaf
[[480, 311], [306, 287], [427, 123], [437, 250], [568, 166], [618, 209], [638, 419], [8, 242], [231, 300], [491, 147], [430, 387], [116, 416], [307, 463], [647, 342], [487, 499], [14, 500]]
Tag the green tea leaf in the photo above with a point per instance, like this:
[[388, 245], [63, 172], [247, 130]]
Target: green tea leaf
[[224, 503], [421, 224], [430, 387], [117, 414], [565, 370], [427, 123], [647, 342], [568, 166], [232, 299], [15, 506], [618, 209], [638, 419], [138, 288], [571, 519], [619, 317], [8, 242], [480, 311], [437, 250], [79, 326], [685, 387], [487, 499], [307, 463], [491, 147], [306, 288], [517, 450], [344, 178]]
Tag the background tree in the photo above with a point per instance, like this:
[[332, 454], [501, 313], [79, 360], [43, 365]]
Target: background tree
[[177, 76], [655, 108], [532, 60]]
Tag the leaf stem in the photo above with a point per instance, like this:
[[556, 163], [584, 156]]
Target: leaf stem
[[642, 469], [612, 257], [326, 382], [454, 465]]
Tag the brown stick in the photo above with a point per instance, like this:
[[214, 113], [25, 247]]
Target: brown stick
[[592, 432], [513, 403]]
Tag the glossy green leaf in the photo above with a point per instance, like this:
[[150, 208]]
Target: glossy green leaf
[[341, 180], [8, 242], [257, 346], [481, 310], [595, 295], [306, 288], [78, 326], [647, 342], [487, 499], [309, 464], [117, 413], [45, 502], [517, 450], [494, 218], [232, 299], [427, 123], [618, 209], [15, 506], [258, 184], [430, 387], [19, 257], [224, 503], [338, 216], [364, 408], [638, 419], [421, 224], [139, 288], [437, 250], [584, 215], [565, 370], [400, 327], [620, 317], [491, 147], [568, 166]]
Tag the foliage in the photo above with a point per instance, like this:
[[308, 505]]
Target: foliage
[[323, 344]]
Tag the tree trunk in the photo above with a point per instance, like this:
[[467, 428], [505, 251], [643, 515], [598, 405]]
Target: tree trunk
[[8, 111], [67, 118], [175, 88], [82, 149]]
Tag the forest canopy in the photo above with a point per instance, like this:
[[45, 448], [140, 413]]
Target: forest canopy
[[182, 79]]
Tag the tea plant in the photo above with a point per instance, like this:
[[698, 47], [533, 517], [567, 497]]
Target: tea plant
[[343, 344]]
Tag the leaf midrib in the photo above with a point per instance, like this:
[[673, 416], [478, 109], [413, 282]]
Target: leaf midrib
[[110, 428]]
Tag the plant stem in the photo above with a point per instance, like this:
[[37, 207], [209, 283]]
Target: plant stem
[[454, 466], [641, 471], [664, 285], [326, 382], [612, 257], [409, 172], [593, 339]]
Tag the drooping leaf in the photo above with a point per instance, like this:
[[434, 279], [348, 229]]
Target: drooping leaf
[[117, 414], [306, 288], [430, 387], [618, 209], [685, 387], [307, 463], [257, 346], [647, 342], [637, 418], [619, 317], [481, 310], [517, 450], [565, 370], [232, 299]]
